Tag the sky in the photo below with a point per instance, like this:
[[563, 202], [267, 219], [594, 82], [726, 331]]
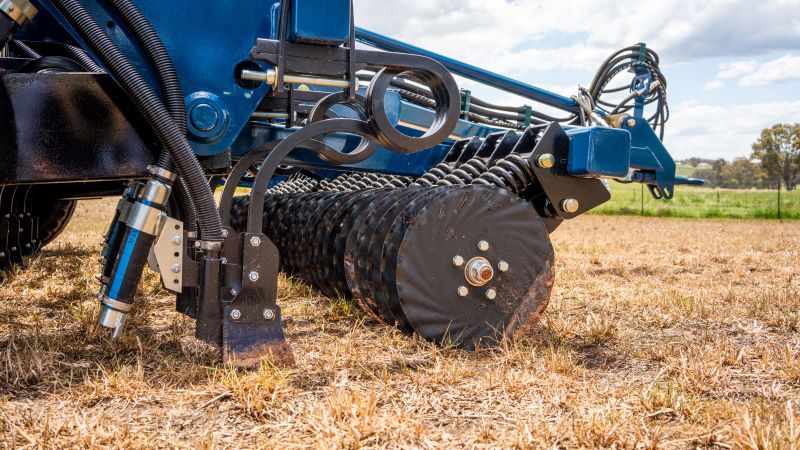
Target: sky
[[733, 67]]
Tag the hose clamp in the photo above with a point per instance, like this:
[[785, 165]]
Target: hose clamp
[[20, 11], [161, 172], [117, 305]]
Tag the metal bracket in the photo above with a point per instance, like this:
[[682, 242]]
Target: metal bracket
[[166, 256], [556, 183], [252, 327]]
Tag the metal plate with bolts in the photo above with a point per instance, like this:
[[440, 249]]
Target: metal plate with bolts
[[166, 256]]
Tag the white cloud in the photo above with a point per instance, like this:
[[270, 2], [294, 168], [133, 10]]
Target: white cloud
[[715, 84], [713, 131], [736, 69], [782, 70]]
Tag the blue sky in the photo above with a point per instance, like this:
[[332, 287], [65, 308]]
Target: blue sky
[[733, 66]]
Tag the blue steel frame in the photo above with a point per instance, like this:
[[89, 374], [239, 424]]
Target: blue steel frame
[[209, 40]]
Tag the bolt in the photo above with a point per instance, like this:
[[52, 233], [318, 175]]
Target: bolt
[[255, 241], [269, 314], [224, 260], [491, 294], [27, 245], [631, 123], [570, 205], [502, 266], [204, 117], [177, 240], [253, 276], [546, 161], [176, 268], [458, 261], [483, 246], [224, 232], [2, 254], [236, 314], [463, 291], [234, 292]]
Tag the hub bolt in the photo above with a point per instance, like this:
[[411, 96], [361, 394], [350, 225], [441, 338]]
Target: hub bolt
[[269, 314], [570, 205], [479, 271], [491, 294], [483, 246], [253, 276], [546, 161], [176, 268], [502, 266], [463, 291], [255, 241], [458, 261], [236, 314]]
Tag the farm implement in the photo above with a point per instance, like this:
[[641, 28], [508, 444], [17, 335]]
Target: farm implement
[[371, 175]]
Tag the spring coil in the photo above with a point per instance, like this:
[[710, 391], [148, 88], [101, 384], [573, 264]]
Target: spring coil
[[433, 176], [466, 173], [512, 172]]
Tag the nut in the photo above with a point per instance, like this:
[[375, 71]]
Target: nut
[[253, 276], [255, 241], [463, 291], [483, 246], [269, 314], [502, 266], [176, 268], [177, 240], [458, 260], [479, 271], [491, 294], [236, 314]]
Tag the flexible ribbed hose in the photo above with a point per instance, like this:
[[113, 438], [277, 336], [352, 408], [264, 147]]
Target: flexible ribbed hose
[[171, 92], [154, 112]]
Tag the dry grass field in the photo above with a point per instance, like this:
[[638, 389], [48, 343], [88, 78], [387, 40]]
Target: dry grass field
[[661, 333]]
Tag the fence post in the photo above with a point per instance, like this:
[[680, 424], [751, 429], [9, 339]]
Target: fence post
[[779, 200], [642, 196]]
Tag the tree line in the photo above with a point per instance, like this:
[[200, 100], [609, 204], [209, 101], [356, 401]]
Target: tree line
[[774, 162]]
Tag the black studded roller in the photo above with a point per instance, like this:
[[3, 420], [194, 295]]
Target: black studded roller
[[466, 266]]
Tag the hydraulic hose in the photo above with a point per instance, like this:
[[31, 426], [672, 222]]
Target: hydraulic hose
[[171, 91], [80, 56], [154, 112], [159, 58]]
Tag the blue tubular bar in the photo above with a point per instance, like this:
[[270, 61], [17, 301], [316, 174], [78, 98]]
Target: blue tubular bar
[[471, 72]]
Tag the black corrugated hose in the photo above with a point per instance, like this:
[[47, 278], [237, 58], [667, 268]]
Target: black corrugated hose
[[153, 110], [171, 92]]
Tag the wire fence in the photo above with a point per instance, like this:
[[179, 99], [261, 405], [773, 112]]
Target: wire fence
[[630, 199]]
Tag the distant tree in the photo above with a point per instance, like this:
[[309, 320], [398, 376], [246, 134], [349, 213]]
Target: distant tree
[[694, 162], [708, 176], [742, 173], [778, 148]]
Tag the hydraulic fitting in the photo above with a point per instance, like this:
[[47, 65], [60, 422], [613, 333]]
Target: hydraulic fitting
[[14, 14], [142, 226]]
